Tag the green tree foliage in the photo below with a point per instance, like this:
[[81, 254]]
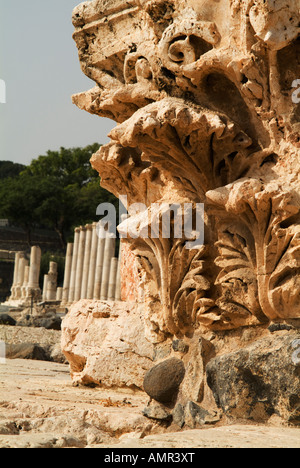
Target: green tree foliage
[[10, 169], [18, 196], [59, 190]]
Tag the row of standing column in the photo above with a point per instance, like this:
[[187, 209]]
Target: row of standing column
[[91, 271], [26, 276]]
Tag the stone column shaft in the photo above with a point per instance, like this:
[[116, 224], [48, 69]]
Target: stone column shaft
[[52, 282], [67, 274], [17, 258], [92, 266], [118, 278], [74, 266], [112, 279], [108, 255], [59, 293], [25, 282], [79, 264], [86, 261], [45, 285], [21, 272], [15, 278], [35, 264], [101, 234]]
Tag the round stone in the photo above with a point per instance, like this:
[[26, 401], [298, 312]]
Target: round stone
[[162, 381]]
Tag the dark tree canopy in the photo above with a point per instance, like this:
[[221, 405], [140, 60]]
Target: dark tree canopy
[[59, 190], [10, 169]]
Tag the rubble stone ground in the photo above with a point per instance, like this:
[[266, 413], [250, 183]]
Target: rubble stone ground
[[40, 408]]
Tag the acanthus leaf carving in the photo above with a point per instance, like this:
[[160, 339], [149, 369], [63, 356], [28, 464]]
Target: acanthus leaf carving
[[176, 276], [259, 246], [168, 133]]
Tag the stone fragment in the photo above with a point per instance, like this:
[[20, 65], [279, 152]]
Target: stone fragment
[[26, 351], [195, 360], [48, 320], [196, 415], [6, 319], [50, 323], [279, 326], [158, 412], [259, 380], [180, 346], [8, 428], [178, 415], [162, 381]]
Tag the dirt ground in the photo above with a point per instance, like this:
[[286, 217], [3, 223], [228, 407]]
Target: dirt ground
[[39, 408]]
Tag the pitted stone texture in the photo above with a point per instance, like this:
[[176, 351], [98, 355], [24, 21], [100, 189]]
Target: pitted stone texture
[[105, 344], [259, 380]]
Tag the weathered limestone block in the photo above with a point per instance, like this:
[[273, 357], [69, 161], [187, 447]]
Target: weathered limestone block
[[204, 96], [105, 344], [131, 279]]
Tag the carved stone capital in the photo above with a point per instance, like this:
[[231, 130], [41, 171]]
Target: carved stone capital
[[202, 96]]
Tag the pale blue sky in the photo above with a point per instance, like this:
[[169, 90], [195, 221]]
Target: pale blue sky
[[40, 66]]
